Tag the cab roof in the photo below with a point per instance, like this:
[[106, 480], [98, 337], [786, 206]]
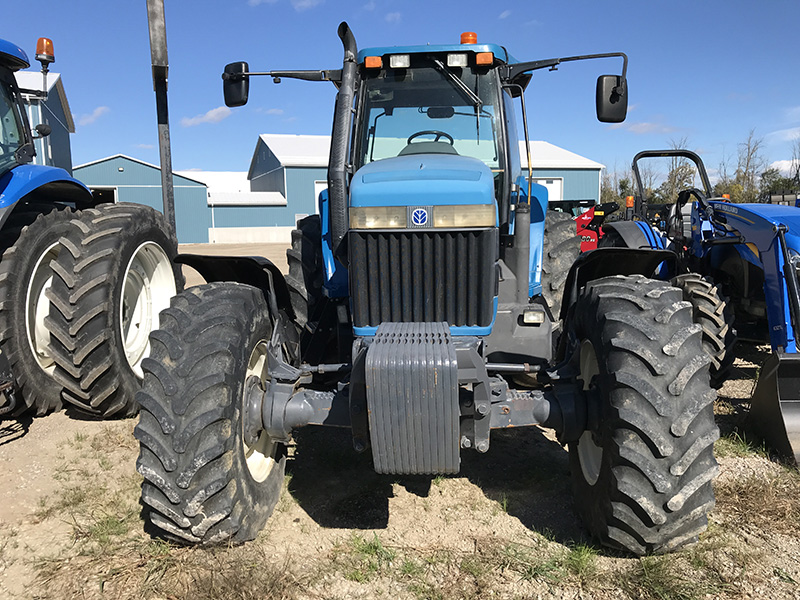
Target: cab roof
[[13, 56], [498, 51]]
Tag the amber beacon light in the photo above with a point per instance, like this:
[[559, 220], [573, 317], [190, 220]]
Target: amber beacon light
[[469, 37], [44, 51]]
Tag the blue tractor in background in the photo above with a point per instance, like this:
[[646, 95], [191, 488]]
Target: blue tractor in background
[[737, 265], [432, 299], [81, 284]]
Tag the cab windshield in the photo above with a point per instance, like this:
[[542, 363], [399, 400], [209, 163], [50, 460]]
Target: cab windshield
[[430, 108], [10, 127]]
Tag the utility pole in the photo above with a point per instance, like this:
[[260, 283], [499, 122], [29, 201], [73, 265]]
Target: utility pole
[[158, 54]]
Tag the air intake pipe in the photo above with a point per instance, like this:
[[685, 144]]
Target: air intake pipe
[[522, 251], [337, 162]]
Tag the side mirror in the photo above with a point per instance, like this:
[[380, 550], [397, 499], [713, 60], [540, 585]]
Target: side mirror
[[43, 130], [612, 98], [235, 84]]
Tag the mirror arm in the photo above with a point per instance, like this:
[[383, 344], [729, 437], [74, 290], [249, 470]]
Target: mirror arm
[[334, 75], [511, 72]]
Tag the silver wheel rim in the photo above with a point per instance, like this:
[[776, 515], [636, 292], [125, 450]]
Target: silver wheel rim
[[37, 308], [590, 455], [260, 456], [147, 287]]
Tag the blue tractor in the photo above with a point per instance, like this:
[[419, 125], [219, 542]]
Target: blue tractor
[[74, 324], [737, 264], [432, 299]]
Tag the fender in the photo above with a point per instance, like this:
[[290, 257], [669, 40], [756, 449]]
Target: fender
[[50, 182], [604, 262], [257, 271], [635, 234]]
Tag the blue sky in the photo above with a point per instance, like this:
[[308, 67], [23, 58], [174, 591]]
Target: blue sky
[[708, 71]]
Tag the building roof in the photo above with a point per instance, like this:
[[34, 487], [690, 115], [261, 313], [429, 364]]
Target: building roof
[[33, 80], [299, 150], [545, 155], [313, 151], [223, 198], [141, 162], [219, 181]]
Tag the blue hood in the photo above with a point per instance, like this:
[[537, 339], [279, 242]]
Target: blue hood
[[423, 179]]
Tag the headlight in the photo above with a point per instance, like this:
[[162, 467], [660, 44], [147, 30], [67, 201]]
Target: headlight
[[378, 217], [402, 217], [472, 215]]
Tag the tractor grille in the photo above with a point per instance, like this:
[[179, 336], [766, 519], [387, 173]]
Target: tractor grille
[[423, 276]]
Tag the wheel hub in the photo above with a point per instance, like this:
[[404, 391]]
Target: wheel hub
[[590, 454], [148, 285], [257, 445], [37, 308]]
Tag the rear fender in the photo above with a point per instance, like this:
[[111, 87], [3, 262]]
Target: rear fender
[[336, 280], [604, 262], [36, 183], [251, 270], [636, 234]]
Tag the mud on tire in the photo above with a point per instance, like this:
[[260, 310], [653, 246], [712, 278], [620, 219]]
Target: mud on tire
[[715, 316], [29, 243], [561, 247], [642, 474], [202, 483], [114, 276]]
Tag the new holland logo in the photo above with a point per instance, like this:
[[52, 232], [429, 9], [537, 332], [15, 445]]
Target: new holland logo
[[419, 217]]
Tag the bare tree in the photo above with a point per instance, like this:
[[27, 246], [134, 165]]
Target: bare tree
[[794, 168], [749, 167]]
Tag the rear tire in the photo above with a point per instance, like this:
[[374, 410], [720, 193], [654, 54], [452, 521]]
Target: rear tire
[[714, 314], [31, 241], [642, 473], [202, 483], [116, 274], [562, 246], [305, 276]]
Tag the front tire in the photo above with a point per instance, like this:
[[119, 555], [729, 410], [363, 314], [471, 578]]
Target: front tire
[[203, 483], [304, 258], [116, 274], [642, 473], [562, 246], [715, 316], [25, 277]]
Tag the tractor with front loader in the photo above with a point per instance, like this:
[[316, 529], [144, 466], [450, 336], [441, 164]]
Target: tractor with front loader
[[738, 266], [431, 282], [81, 283]]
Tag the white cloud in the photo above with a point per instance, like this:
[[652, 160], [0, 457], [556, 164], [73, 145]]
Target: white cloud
[[784, 166], [145, 146], [93, 116], [643, 128], [370, 5], [258, 2], [215, 115], [274, 111], [505, 14], [785, 135], [793, 113], [301, 5], [393, 17]]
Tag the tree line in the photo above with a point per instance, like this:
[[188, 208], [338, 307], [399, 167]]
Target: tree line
[[749, 179]]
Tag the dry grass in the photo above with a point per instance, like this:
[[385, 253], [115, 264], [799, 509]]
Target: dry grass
[[767, 500]]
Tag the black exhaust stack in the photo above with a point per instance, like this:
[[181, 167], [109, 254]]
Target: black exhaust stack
[[337, 162]]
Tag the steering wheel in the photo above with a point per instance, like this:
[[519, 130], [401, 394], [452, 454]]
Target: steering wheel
[[436, 132]]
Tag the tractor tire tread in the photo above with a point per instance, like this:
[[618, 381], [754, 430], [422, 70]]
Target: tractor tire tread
[[655, 485]]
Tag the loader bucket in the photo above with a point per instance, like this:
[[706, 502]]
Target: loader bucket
[[775, 407]]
